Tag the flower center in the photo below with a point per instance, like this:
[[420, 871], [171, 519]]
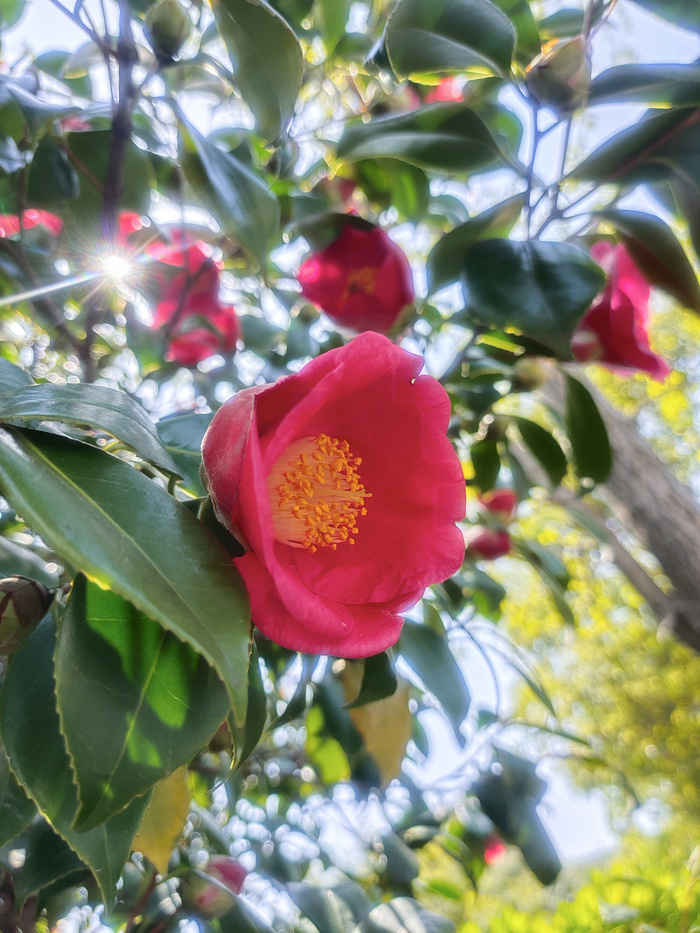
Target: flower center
[[316, 494], [361, 280]]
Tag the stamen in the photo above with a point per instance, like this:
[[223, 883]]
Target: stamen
[[314, 507]]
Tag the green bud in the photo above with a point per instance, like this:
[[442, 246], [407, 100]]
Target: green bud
[[167, 27], [23, 604], [560, 76], [529, 374]]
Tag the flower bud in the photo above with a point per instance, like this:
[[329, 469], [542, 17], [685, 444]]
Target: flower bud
[[501, 503], [488, 544], [23, 604], [167, 27], [560, 76], [529, 374], [209, 899]]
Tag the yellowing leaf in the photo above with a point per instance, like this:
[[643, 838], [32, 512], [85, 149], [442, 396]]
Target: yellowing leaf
[[164, 820]]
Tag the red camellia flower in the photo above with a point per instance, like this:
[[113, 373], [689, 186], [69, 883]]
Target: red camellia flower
[[10, 226], [448, 89], [342, 484], [615, 330], [488, 543], [211, 900], [502, 503], [198, 323], [494, 848], [362, 280]]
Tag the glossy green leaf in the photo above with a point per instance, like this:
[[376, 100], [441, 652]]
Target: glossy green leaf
[[247, 736], [439, 137], [396, 184], [16, 809], [486, 462], [444, 263], [331, 16], [540, 288], [182, 438], [156, 698], [31, 734], [657, 147], [127, 534], [657, 253], [663, 85], [528, 40], [430, 657], [235, 195], [267, 60], [587, 433], [17, 559], [13, 377], [545, 449], [96, 406], [378, 680], [404, 915], [10, 12], [243, 918], [48, 859], [684, 13], [562, 24], [52, 179], [428, 36], [402, 865], [323, 908]]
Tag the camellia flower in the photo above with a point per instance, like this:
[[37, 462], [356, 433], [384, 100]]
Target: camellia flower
[[448, 89], [342, 484], [501, 503], [487, 543], [197, 323], [10, 226], [211, 900], [494, 848], [362, 280], [615, 330]]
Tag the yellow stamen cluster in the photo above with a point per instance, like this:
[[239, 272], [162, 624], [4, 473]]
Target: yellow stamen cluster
[[316, 493], [361, 280]]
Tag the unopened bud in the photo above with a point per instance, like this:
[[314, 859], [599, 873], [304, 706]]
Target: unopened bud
[[23, 604], [487, 543], [212, 898], [167, 27], [501, 503], [560, 76]]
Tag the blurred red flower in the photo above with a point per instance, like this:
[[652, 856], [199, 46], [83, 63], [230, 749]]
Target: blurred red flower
[[448, 89], [196, 323], [487, 543], [494, 848], [211, 900], [362, 280], [502, 503], [342, 484], [9, 223], [615, 330]]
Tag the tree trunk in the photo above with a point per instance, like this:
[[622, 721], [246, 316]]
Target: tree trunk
[[660, 511]]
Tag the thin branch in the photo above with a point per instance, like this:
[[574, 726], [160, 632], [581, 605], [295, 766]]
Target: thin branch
[[104, 46], [530, 176]]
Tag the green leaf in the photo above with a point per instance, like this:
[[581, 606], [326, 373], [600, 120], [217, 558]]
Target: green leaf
[[331, 17], [544, 448], [657, 253], [439, 137], [13, 377], [246, 738], [402, 865], [486, 462], [157, 699], [658, 146], [444, 264], [662, 85], [17, 559], [378, 680], [16, 809], [182, 438], [321, 905], [687, 199], [404, 915], [48, 859], [392, 183], [430, 657], [528, 42], [97, 406], [540, 288], [562, 24], [31, 733], [52, 178], [267, 60], [10, 12], [587, 433], [684, 13], [127, 534], [428, 36], [234, 194]]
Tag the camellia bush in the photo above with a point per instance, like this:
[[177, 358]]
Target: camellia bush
[[296, 301]]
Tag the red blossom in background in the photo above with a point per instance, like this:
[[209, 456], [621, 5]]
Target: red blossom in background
[[362, 280], [211, 900], [494, 848], [10, 226], [501, 503], [487, 543], [448, 89], [615, 330], [343, 485]]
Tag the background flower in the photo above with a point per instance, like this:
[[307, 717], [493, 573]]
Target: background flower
[[351, 449], [10, 226], [615, 330], [362, 280]]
